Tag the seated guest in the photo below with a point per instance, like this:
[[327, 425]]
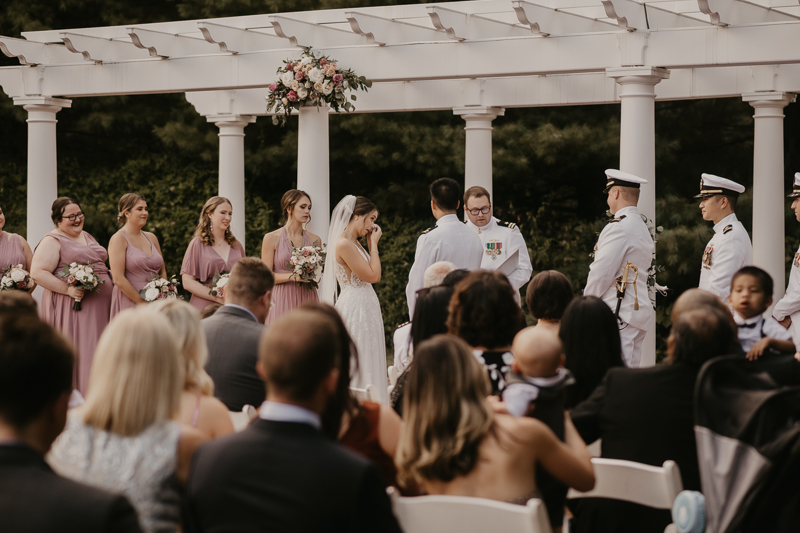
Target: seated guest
[[199, 408], [36, 365], [590, 336], [453, 443], [548, 295], [484, 313], [233, 332], [646, 415], [403, 352], [125, 438], [454, 278], [17, 303], [282, 473]]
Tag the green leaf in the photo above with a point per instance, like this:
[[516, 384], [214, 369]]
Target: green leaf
[[353, 97]]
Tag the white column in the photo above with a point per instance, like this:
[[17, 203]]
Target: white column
[[231, 165], [313, 166], [637, 147], [478, 157], [768, 185], [42, 167]]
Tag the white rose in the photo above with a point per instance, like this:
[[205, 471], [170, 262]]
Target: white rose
[[327, 87], [151, 294], [287, 78], [302, 93], [312, 259], [17, 276], [88, 270], [222, 282], [73, 264], [306, 61], [295, 85], [316, 75], [7, 282]]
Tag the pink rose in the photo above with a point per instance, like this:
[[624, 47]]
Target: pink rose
[[173, 288], [292, 96], [71, 280], [306, 252], [329, 70], [299, 76], [323, 61], [337, 79], [273, 87], [22, 285], [161, 296]]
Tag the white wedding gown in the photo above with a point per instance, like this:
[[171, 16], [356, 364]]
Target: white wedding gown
[[361, 312]]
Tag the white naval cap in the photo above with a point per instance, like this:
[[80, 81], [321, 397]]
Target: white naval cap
[[796, 188], [711, 185], [622, 179]]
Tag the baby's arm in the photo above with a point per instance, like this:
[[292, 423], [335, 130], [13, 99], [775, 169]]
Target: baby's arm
[[758, 349]]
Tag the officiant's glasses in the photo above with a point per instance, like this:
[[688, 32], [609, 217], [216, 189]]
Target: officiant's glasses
[[485, 210], [73, 218]]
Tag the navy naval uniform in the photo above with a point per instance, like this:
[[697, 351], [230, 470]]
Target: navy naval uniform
[[727, 251], [499, 240]]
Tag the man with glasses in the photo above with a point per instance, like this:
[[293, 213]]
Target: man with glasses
[[499, 240]]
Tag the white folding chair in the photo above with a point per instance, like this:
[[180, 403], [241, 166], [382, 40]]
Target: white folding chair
[[241, 419], [369, 394], [462, 514], [653, 486]]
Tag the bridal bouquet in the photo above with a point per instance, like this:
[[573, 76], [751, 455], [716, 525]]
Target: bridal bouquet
[[81, 276], [14, 277], [160, 289], [307, 264], [312, 81], [219, 283]]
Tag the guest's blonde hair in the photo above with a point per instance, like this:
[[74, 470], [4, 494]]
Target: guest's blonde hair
[[184, 321], [203, 229], [445, 410], [136, 375]]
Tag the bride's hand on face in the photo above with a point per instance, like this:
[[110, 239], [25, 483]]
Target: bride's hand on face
[[375, 234]]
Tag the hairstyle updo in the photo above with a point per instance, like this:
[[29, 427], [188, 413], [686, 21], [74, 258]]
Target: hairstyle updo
[[126, 203], [59, 204], [204, 224], [289, 200], [364, 206]]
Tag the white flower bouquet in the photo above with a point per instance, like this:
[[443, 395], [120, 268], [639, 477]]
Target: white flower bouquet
[[81, 276], [307, 264], [219, 283], [160, 289], [15, 277], [312, 81]]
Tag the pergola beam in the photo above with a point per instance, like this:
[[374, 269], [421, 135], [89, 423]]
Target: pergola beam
[[100, 49], [302, 33], [383, 31], [461, 26], [34, 53], [548, 21], [166, 45], [731, 12], [237, 40]]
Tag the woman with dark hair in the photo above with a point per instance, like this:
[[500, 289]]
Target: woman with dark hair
[[485, 314], [213, 250], [133, 254], [276, 251], [14, 249], [548, 295], [590, 335], [355, 270], [430, 318], [66, 244]]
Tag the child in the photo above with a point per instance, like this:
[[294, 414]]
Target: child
[[548, 295], [535, 387], [751, 295]]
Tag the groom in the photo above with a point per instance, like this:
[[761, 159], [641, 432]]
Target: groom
[[449, 240]]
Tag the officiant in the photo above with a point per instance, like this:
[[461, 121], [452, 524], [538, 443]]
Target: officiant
[[499, 240]]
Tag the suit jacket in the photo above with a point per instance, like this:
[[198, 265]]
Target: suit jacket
[[643, 415], [232, 336], [33, 498], [284, 477]]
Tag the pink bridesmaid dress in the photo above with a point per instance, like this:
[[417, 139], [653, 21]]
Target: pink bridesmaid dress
[[11, 251], [84, 327], [140, 269], [203, 262], [287, 296]]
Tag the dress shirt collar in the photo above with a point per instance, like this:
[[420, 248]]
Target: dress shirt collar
[[489, 225], [730, 219], [627, 211], [741, 321], [285, 412], [249, 312], [448, 219]]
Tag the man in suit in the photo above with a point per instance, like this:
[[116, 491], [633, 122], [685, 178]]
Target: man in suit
[[232, 334], [282, 474], [36, 365], [647, 415]]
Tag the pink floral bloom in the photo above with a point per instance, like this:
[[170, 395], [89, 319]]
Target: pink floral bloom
[[292, 96], [273, 87], [161, 296], [173, 288], [329, 70], [337, 79], [22, 285], [323, 61], [289, 66], [71, 280], [299, 76]]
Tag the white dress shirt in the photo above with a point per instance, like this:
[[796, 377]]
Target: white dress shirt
[[498, 242], [753, 329], [727, 251], [286, 412], [449, 240]]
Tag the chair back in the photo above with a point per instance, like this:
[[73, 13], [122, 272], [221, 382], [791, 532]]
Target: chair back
[[654, 486], [463, 514], [369, 394]]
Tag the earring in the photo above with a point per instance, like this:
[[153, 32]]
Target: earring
[[210, 226]]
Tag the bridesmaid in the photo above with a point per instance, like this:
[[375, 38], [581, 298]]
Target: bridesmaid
[[276, 250], [213, 249], [14, 249], [134, 255], [66, 244]]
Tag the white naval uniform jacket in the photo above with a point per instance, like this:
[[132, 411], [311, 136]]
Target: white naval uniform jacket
[[449, 240], [499, 240], [624, 239], [727, 251], [789, 305]]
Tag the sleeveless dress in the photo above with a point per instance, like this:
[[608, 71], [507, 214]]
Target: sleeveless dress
[[287, 296], [84, 327], [142, 467], [362, 437], [202, 262], [139, 270], [11, 251], [361, 312]]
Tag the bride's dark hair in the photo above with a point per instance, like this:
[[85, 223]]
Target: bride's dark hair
[[364, 206]]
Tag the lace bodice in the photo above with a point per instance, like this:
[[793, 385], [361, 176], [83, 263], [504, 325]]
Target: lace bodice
[[353, 280]]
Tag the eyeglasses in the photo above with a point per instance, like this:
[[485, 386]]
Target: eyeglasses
[[484, 210], [76, 216]]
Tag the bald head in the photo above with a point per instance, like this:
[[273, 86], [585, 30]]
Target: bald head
[[696, 299], [435, 274], [699, 334], [537, 352]]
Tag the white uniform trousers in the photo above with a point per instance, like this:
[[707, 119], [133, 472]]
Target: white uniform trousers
[[631, 339]]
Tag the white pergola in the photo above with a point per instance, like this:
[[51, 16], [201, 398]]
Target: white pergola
[[476, 58]]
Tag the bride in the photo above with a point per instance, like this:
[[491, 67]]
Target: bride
[[356, 270]]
